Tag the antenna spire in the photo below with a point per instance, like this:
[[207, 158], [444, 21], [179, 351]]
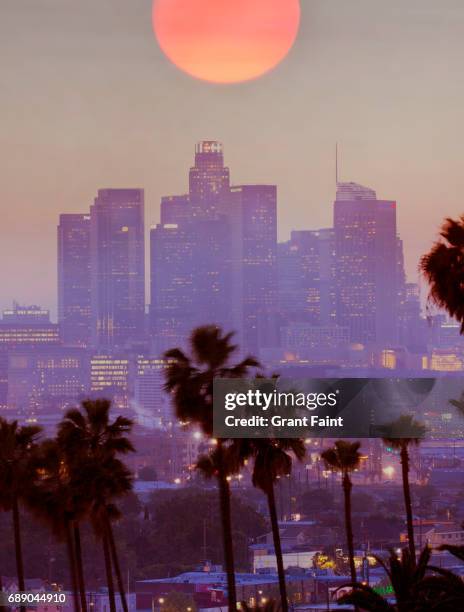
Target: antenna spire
[[336, 163]]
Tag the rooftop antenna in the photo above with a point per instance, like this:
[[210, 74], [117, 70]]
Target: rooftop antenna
[[336, 163]]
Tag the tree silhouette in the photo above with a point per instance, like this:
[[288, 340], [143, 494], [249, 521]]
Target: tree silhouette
[[16, 445], [443, 268], [54, 499], [273, 458], [418, 587], [189, 378], [400, 435], [344, 457], [93, 444]]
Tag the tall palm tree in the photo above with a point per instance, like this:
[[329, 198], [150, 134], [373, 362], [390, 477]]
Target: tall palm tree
[[52, 498], [273, 459], [443, 268], [16, 446], [400, 435], [344, 457], [189, 378], [221, 464], [93, 444]]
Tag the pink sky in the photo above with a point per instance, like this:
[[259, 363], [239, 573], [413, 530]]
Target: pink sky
[[89, 101]]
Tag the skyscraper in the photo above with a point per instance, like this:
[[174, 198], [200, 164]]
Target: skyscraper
[[367, 264], [190, 278], [117, 267], [213, 257], [190, 254], [74, 279], [209, 179], [306, 277], [251, 211]]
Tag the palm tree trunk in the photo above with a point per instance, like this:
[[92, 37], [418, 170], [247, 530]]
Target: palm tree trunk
[[277, 547], [18, 547], [117, 567], [72, 566], [224, 498], [109, 572], [407, 501], [79, 566], [347, 486]]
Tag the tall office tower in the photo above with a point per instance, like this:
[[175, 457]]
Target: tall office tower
[[209, 179], [413, 329], [171, 285], [117, 267], [251, 211], [367, 264], [190, 254], [190, 279], [306, 277], [175, 209], [400, 277], [74, 279]]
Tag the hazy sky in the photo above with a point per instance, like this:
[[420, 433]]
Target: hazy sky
[[88, 101]]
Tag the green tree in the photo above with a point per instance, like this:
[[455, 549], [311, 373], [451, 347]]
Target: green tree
[[344, 457], [443, 268], [16, 446], [400, 435], [93, 445], [189, 378]]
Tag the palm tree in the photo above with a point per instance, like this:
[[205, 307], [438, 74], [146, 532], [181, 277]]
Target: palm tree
[[273, 459], [443, 268], [417, 587], [16, 446], [221, 464], [92, 444], [189, 378], [52, 498], [344, 457], [400, 435]]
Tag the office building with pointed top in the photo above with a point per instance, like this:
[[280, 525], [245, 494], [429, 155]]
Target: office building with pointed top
[[190, 255], [213, 257]]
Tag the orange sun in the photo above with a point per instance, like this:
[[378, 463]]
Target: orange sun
[[226, 41]]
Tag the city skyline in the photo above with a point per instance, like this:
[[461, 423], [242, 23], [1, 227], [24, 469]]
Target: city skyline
[[171, 209], [329, 299], [231, 315], [68, 87]]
